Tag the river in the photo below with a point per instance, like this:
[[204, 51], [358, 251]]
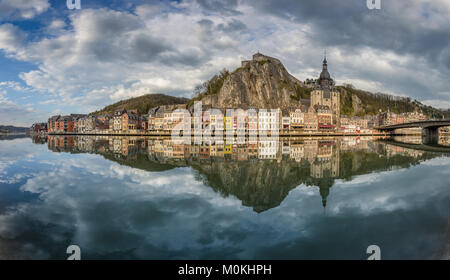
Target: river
[[147, 198]]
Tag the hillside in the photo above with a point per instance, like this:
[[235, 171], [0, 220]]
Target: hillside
[[13, 129], [262, 82], [355, 102], [142, 103]]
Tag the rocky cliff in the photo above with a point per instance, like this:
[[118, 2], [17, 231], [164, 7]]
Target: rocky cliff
[[262, 82]]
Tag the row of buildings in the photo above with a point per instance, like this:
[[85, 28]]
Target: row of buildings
[[391, 118], [121, 120], [167, 117]]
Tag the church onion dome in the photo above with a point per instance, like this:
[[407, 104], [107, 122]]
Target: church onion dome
[[325, 75], [325, 78]]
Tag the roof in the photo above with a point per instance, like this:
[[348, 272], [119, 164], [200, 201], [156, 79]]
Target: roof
[[153, 110], [305, 102], [54, 118]]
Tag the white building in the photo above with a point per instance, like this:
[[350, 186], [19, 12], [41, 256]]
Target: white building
[[267, 149], [269, 120]]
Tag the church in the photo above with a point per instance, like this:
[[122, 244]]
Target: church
[[324, 93]]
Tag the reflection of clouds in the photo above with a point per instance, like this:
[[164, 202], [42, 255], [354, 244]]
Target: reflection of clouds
[[121, 200], [114, 211], [443, 161], [14, 179], [387, 191], [12, 151], [16, 149], [361, 180], [442, 165]]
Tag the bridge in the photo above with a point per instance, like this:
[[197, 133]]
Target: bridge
[[430, 128], [420, 147]]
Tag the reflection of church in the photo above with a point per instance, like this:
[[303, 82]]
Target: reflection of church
[[326, 162], [325, 167]]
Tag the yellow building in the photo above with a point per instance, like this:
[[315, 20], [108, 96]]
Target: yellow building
[[228, 122], [228, 149]]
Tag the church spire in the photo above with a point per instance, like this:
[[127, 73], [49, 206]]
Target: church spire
[[324, 65]]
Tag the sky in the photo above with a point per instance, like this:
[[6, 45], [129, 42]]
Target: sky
[[56, 60]]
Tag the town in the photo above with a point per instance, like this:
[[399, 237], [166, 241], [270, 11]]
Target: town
[[163, 119], [320, 114]]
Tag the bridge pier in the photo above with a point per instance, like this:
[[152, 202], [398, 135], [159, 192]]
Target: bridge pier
[[430, 135]]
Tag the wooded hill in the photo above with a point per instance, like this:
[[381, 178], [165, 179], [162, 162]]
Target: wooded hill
[[356, 102], [142, 103]]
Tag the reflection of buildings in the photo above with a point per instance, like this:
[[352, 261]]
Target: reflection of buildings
[[326, 163], [267, 149], [444, 140], [259, 173], [297, 151]]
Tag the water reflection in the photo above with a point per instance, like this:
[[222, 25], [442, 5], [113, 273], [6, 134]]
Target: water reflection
[[143, 198], [260, 174]]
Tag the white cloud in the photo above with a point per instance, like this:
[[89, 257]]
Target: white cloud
[[101, 56], [22, 9], [437, 103], [15, 86], [108, 55], [11, 39]]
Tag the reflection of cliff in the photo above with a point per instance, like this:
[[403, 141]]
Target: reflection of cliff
[[140, 161], [258, 183], [363, 162], [264, 184]]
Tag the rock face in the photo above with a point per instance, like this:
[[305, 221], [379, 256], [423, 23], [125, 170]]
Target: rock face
[[357, 104], [262, 82]]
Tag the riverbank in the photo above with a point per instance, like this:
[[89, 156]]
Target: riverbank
[[281, 134]]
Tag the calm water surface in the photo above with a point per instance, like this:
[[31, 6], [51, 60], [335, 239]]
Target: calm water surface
[[139, 198]]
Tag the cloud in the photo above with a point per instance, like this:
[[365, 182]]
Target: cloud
[[11, 39], [22, 9], [225, 7], [438, 103], [12, 113], [106, 55], [15, 86], [99, 56], [415, 31]]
